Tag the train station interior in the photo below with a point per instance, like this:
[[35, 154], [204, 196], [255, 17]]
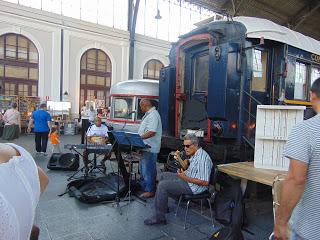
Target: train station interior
[[159, 119]]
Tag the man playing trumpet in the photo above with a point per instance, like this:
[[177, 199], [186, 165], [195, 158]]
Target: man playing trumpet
[[192, 178]]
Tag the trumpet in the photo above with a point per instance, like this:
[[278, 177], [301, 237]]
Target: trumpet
[[177, 157]]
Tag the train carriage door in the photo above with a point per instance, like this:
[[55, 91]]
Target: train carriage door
[[196, 86], [192, 73], [224, 89], [258, 88]]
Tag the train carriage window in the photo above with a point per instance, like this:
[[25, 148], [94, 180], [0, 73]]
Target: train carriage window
[[300, 86], [122, 108], [200, 73], [259, 70], [315, 74]]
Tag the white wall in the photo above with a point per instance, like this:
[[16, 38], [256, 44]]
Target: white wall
[[147, 48], [47, 42], [44, 29]]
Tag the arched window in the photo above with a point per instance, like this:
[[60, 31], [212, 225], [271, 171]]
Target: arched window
[[95, 77], [19, 66], [152, 69]]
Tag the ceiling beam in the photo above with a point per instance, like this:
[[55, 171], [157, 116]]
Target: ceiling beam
[[225, 4], [260, 8], [238, 8], [242, 9], [229, 7], [207, 4], [233, 7], [297, 19], [264, 7]]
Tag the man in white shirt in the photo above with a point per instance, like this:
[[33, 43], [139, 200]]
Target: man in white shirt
[[87, 118], [91, 114], [97, 130], [96, 134], [150, 131]]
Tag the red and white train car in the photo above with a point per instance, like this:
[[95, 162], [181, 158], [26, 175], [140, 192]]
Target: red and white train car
[[125, 114]]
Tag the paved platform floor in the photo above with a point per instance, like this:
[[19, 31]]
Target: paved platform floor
[[65, 218]]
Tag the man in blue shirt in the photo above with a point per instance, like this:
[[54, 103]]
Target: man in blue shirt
[[42, 128]]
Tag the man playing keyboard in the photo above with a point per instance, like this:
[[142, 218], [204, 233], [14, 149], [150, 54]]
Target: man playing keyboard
[[96, 134]]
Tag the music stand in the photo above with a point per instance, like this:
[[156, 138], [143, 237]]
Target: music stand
[[127, 140]]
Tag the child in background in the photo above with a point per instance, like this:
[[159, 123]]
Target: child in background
[[54, 139]]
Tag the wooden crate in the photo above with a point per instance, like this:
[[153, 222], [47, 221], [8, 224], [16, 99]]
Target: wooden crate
[[273, 126]]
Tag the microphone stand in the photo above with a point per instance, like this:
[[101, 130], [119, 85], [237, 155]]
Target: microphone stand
[[86, 169], [126, 117], [130, 193], [117, 199]]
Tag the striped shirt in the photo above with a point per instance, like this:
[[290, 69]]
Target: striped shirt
[[304, 145], [200, 168]]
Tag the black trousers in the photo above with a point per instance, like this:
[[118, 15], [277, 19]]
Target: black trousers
[[41, 139], [85, 125]]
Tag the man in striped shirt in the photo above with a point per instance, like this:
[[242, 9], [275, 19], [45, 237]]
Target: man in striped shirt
[[301, 189], [193, 180]]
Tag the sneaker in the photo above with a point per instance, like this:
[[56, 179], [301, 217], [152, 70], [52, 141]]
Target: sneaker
[[38, 153], [44, 153], [154, 221], [147, 195]]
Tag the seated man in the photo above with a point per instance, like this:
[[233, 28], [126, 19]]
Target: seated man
[[96, 134], [194, 180]]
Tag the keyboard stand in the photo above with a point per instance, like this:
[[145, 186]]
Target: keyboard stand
[[89, 168]]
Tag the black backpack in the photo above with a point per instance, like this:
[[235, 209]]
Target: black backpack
[[229, 211], [232, 232], [228, 206], [96, 190]]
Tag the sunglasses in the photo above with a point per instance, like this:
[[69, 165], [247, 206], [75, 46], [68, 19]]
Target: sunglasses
[[187, 146]]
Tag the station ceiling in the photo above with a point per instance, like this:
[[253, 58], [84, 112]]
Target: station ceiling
[[299, 15]]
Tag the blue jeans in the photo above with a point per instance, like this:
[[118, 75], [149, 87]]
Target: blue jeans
[[295, 236], [148, 171]]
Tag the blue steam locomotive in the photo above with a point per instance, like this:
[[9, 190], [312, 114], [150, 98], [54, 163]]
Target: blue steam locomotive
[[222, 70]]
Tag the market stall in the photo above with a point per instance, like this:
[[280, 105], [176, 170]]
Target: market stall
[[26, 105], [62, 117]]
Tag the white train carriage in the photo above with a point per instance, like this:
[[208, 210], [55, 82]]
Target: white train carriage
[[125, 112]]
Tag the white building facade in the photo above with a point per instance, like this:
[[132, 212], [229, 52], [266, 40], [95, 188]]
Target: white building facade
[[62, 41]]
